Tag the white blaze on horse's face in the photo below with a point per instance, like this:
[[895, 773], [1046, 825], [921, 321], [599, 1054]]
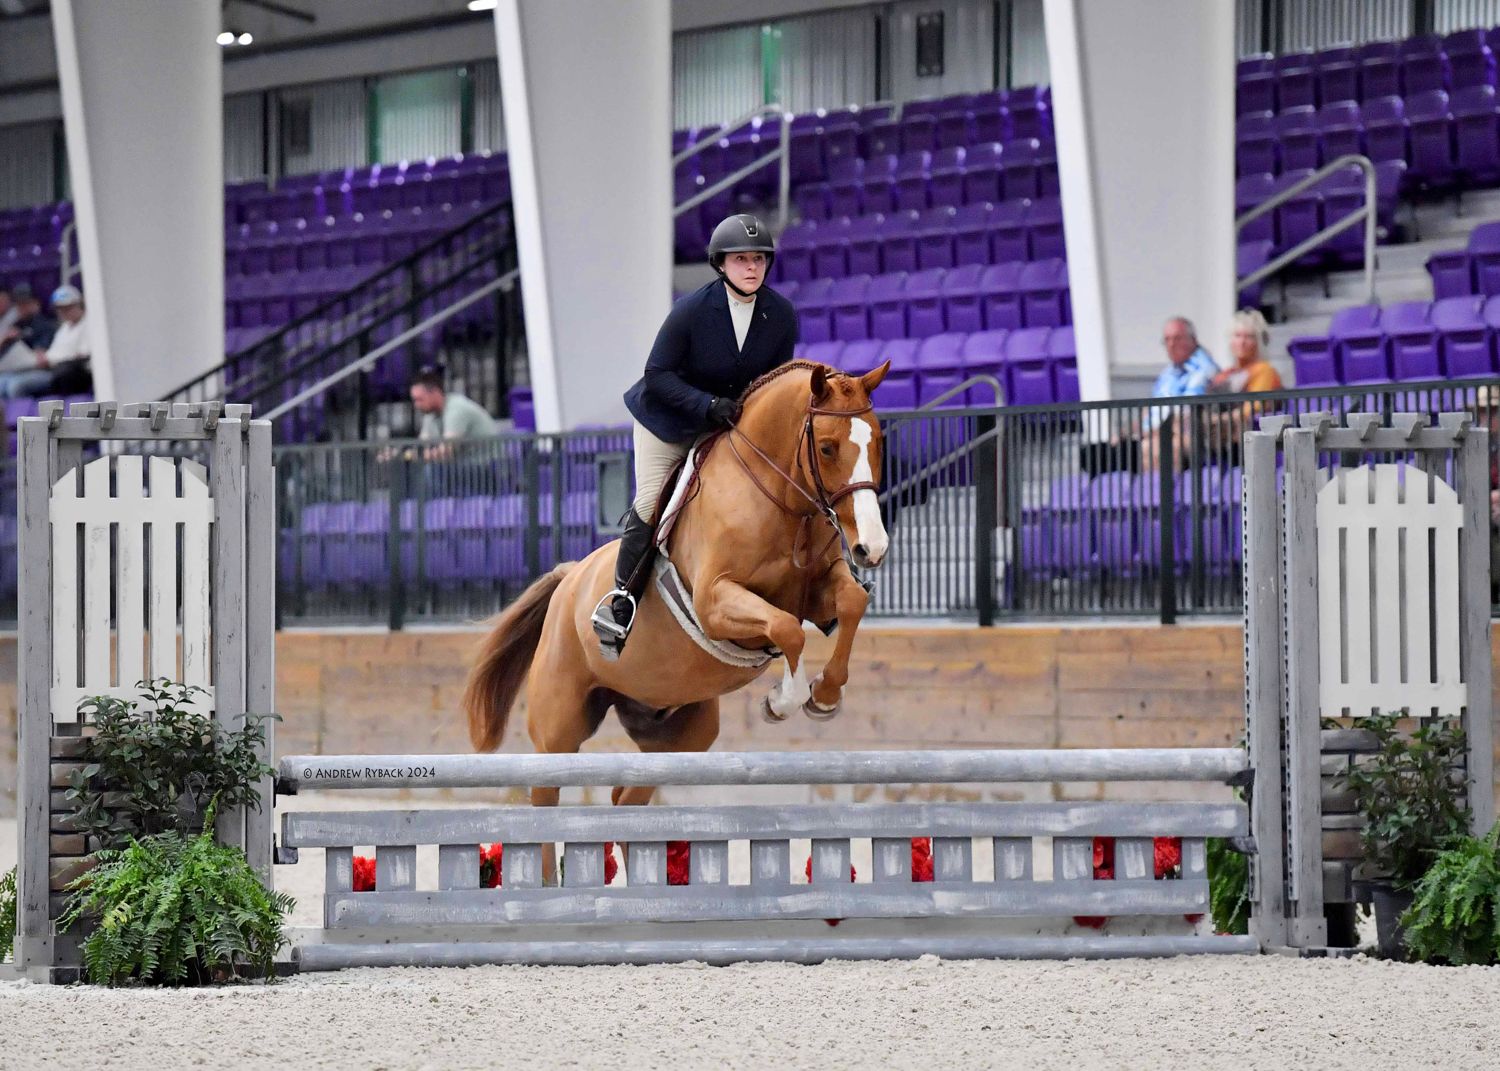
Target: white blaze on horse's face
[[871, 542]]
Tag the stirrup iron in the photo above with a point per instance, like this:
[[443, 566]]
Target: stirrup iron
[[611, 633]]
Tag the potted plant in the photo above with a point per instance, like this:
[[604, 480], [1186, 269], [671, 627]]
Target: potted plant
[[1455, 914], [1411, 795]]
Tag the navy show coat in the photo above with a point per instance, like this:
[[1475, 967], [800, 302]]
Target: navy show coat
[[695, 359]]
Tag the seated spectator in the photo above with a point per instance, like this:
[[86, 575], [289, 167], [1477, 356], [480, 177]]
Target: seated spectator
[[66, 357], [22, 371], [8, 310], [1252, 373], [1190, 367]]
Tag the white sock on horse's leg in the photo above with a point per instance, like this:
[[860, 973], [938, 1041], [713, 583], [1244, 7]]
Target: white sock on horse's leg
[[788, 696]]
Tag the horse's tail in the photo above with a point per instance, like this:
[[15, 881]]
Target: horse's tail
[[505, 659]]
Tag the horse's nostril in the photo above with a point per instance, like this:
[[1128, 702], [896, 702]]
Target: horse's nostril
[[859, 548]]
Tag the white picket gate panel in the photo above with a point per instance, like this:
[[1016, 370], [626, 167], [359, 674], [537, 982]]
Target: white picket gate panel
[[1388, 598], [137, 514]]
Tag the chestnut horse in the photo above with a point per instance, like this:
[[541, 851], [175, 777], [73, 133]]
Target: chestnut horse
[[783, 502]]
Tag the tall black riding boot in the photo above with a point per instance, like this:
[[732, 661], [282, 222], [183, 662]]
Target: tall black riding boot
[[615, 614]]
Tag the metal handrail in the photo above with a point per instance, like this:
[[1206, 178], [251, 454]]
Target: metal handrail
[[781, 153], [973, 381], [1366, 214]]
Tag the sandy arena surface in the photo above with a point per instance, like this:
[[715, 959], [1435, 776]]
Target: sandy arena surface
[[1208, 1012]]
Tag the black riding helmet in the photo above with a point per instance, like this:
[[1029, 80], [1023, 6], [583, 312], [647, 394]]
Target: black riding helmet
[[741, 233]]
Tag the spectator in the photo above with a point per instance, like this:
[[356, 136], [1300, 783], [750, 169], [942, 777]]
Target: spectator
[[1190, 367], [1252, 373], [67, 355], [8, 310], [21, 367], [447, 414]]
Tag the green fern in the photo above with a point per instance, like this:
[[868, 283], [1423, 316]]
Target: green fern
[[1228, 887], [1455, 914], [175, 911], [7, 914]]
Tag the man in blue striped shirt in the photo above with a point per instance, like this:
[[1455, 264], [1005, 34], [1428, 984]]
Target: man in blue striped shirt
[[1189, 366]]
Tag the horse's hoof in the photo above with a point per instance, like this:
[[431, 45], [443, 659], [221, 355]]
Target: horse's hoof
[[818, 712], [769, 712]]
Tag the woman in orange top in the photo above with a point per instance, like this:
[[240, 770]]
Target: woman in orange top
[[1252, 373]]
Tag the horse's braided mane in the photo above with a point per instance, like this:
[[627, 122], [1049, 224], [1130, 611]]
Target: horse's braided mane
[[781, 370]]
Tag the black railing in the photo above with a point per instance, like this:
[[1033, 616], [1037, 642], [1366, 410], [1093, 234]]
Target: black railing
[[1106, 509], [479, 345]]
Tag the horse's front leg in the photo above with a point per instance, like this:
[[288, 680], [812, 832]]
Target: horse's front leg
[[731, 612], [850, 601]]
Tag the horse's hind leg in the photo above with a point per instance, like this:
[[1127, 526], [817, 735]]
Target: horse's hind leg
[[690, 728]]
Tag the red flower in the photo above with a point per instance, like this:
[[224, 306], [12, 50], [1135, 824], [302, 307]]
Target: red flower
[[678, 854], [852, 876], [611, 867], [364, 874], [1167, 852], [921, 859], [489, 865], [1104, 870]]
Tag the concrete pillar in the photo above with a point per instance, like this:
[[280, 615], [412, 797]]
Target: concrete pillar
[[143, 112], [586, 88], [1143, 105]]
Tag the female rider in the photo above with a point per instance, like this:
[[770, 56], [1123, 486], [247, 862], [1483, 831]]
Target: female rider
[[712, 345]]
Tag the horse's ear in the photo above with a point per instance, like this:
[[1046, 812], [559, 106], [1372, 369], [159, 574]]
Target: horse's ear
[[872, 379], [819, 383]]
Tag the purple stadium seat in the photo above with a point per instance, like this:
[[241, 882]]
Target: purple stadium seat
[[845, 178], [1296, 87], [1063, 351], [1338, 76], [946, 182], [830, 257], [1028, 373], [886, 299], [878, 185], [918, 132], [840, 142], [1044, 285], [1297, 133], [1256, 92], [1430, 123], [1484, 255], [1411, 339], [899, 390], [898, 241], [1008, 237], [1340, 130], [1299, 218], [806, 149], [1379, 70], [1044, 226], [1424, 68], [811, 199], [857, 358], [1019, 161], [911, 179], [882, 137], [1264, 61], [1476, 129], [865, 236], [1471, 61], [1000, 295], [830, 353], [1467, 345], [962, 309], [955, 129], [1385, 128], [1344, 193], [1255, 143], [940, 368], [1030, 116], [813, 310], [849, 308], [1360, 345], [935, 231], [1248, 257], [923, 294], [983, 173], [1452, 273], [1249, 191], [983, 352]]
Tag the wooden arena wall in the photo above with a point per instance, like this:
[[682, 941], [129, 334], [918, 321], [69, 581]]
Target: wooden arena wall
[[1014, 686]]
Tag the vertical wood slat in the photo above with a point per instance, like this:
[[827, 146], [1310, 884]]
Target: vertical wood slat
[[1390, 589], [583, 865], [522, 866], [1355, 620], [1473, 465], [1446, 602], [646, 863], [952, 859], [96, 577], [1194, 858], [1418, 606], [770, 863], [338, 879], [708, 862], [1135, 859], [395, 867], [222, 602], [891, 858], [163, 591], [130, 571], [260, 632], [34, 713], [458, 866], [1072, 859], [1013, 858], [64, 596], [830, 861]]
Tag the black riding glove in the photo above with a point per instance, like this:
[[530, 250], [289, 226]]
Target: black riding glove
[[723, 412]]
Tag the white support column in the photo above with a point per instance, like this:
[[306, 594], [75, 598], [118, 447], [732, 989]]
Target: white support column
[[587, 94], [1143, 106], [143, 112]]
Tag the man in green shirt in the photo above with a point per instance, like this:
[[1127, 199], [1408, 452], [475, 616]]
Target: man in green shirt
[[448, 414]]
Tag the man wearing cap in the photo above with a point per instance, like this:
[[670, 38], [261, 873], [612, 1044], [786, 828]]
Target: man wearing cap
[[67, 356], [21, 368], [714, 343]]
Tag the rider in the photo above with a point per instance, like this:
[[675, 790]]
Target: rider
[[712, 345]]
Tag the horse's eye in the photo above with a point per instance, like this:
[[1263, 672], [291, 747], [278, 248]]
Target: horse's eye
[[828, 450]]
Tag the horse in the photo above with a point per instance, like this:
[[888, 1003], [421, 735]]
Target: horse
[[782, 516]]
